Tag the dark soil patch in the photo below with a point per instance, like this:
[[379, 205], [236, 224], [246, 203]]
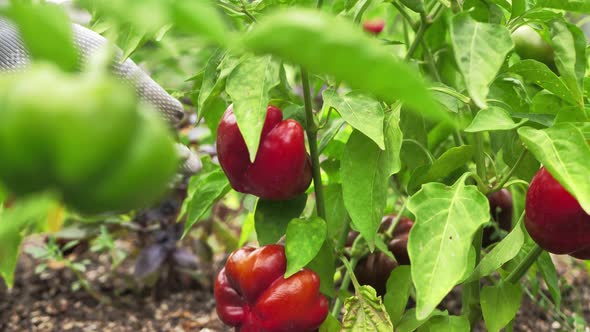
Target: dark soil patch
[[45, 302]]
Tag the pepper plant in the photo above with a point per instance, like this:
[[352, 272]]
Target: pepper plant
[[426, 115]]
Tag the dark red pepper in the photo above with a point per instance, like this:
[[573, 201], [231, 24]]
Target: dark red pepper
[[555, 219], [282, 168], [374, 26], [253, 295], [501, 211], [374, 269]]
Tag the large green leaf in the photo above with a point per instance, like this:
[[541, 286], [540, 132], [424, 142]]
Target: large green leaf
[[332, 45], [365, 170], [448, 162], [563, 150], [324, 264], [207, 190], [365, 312], [446, 323], [335, 210], [541, 75], [569, 46], [446, 219], [47, 33], [200, 17], [504, 251], [272, 217], [492, 118], [303, 241], [499, 304], [410, 323], [569, 5], [399, 286], [249, 86], [363, 113], [480, 50]]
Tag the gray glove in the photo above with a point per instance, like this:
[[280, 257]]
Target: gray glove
[[14, 56]]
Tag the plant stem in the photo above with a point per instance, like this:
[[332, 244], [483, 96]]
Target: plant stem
[[425, 22], [524, 266], [245, 11], [507, 177], [479, 154], [470, 298], [345, 283], [311, 131]]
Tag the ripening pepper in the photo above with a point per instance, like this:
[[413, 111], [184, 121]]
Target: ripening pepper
[[555, 219], [253, 295], [374, 27], [374, 269], [282, 167]]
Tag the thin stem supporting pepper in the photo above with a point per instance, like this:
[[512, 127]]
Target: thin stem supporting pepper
[[508, 175]]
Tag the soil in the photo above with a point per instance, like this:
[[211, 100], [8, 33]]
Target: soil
[[46, 302]]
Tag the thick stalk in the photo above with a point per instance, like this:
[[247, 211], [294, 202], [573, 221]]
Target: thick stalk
[[524, 266], [313, 147]]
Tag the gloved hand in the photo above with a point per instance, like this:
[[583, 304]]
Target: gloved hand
[[14, 57]]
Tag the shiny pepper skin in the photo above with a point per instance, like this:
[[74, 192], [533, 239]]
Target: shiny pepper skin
[[555, 219], [282, 168], [253, 295]]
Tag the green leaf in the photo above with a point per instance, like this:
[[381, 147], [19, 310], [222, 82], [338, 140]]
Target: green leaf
[[331, 324], [549, 273], [272, 217], [210, 188], [492, 118], [480, 50], [504, 251], [410, 323], [13, 221], [541, 75], [365, 170], [365, 312], [324, 264], [303, 242], [399, 285], [499, 304], [335, 210], [201, 17], [414, 5], [249, 86], [449, 161], [438, 245], [569, 46], [247, 229], [568, 5], [210, 85], [47, 33], [360, 111], [335, 46], [446, 323], [563, 150]]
